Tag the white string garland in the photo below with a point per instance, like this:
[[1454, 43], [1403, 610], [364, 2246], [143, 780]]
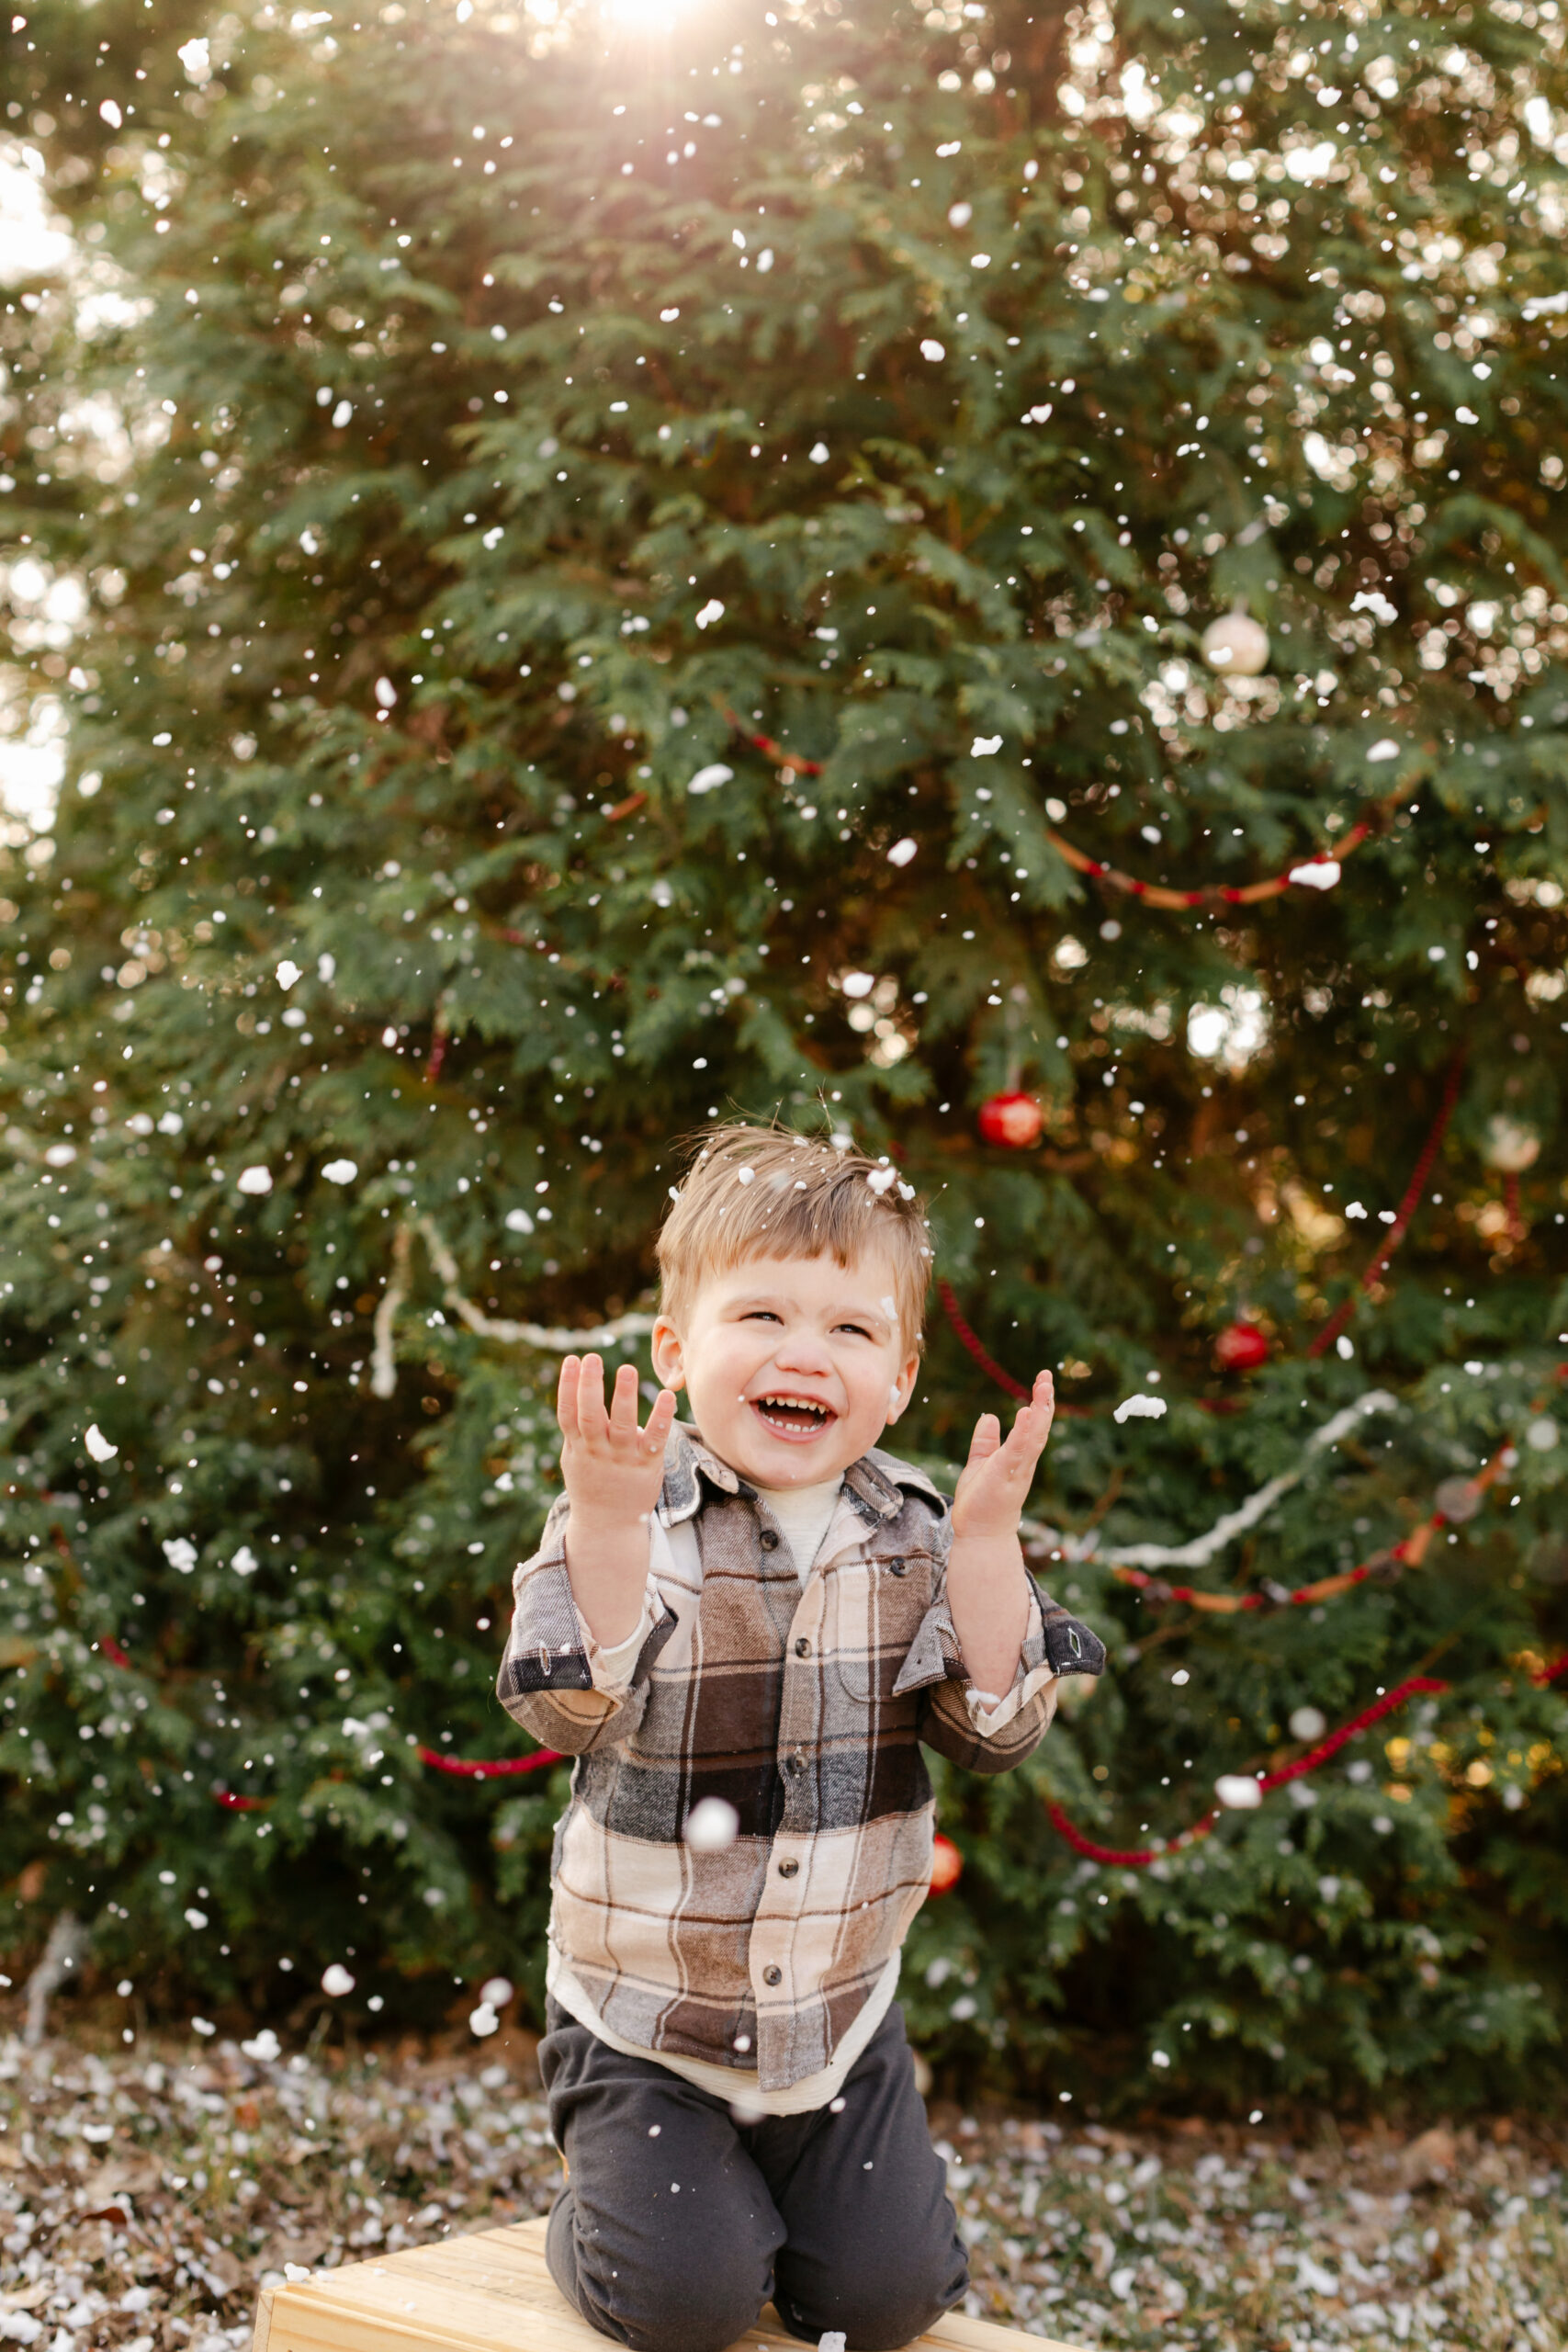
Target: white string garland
[[551, 1338], [1202, 1548]]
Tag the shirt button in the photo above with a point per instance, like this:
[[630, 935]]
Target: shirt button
[[802, 1647], [768, 1539], [773, 1974], [788, 1868], [896, 1567]]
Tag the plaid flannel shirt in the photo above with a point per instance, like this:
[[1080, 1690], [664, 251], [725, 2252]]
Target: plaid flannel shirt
[[803, 1702]]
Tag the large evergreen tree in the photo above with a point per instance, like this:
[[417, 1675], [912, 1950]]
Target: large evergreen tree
[[638, 569]]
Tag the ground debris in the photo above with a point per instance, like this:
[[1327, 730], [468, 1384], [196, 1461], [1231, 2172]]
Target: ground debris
[[146, 2195], [1208, 2235]]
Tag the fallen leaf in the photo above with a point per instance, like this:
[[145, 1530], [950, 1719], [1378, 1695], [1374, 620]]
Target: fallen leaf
[[220, 2266], [135, 2174], [1429, 2156], [28, 2299]]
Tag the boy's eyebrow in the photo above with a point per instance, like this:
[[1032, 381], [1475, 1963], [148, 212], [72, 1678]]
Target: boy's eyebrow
[[854, 1310]]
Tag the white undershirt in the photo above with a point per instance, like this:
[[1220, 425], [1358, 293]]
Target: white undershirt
[[804, 1514]]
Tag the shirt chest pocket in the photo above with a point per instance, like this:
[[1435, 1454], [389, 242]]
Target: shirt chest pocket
[[877, 1608]]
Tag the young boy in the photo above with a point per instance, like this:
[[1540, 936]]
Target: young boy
[[744, 1629]]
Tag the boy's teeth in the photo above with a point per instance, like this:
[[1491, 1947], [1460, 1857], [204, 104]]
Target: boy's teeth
[[794, 1413]]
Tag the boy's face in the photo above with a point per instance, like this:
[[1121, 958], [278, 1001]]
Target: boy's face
[[793, 1366]]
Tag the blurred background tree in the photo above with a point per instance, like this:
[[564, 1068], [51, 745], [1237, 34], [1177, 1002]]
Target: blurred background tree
[[589, 573]]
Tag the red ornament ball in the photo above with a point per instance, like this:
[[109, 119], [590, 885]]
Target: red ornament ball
[[947, 1864], [1241, 1347], [1013, 1120]]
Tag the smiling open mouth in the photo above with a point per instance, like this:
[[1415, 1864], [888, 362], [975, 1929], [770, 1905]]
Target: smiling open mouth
[[789, 1416]]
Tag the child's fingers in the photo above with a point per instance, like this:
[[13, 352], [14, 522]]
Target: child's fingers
[[622, 1402], [1034, 1423], [986, 1439], [592, 1421], [566, 1396], [660, 1421]]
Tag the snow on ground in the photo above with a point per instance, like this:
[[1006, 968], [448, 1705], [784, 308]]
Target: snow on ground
[[146, 2194]]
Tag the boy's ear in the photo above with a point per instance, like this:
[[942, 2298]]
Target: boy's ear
[[902, 1389], [669, 1362]]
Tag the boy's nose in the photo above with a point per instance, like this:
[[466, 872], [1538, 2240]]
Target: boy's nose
[[804, 1352]]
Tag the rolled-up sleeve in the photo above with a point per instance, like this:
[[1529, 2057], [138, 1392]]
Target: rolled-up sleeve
[[555, 1678], [983, 1730]]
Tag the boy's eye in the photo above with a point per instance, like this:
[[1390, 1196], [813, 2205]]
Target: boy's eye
[[857, 1328], [759, 1315]]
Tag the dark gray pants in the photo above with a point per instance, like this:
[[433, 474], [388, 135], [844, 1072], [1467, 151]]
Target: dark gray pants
[[677, 2222]]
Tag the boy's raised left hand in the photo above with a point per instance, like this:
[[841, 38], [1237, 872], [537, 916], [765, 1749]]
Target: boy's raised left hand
[[989, 1499], [612, 1469]]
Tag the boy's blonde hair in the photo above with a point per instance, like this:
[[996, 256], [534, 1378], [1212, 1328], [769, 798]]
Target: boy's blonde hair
[[766, 1193]]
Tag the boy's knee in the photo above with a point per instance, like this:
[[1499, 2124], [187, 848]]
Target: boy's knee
[[676, 2311], [866, 2323], [877, 2308], [674, 2304], [682, 2315]]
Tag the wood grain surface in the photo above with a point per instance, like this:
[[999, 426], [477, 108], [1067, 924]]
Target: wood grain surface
[[491, 2291]]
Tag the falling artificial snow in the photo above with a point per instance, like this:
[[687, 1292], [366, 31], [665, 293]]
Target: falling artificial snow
[[1140, 1408], [98, 1445], [1238, 1791], [711, 1826], [336, 1980]]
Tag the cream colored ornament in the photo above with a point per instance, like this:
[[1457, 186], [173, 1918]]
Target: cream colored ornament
[[1236, 645], [1511, 1145]]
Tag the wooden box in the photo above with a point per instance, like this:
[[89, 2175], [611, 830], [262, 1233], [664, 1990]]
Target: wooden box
[[489, 2291]]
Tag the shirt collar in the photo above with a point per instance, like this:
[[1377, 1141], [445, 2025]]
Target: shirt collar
[[880, 1481], [877, 1483]]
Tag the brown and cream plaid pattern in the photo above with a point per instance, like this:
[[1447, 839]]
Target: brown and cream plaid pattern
[[803, 1704]]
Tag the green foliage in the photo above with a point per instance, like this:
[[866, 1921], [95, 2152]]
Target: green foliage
[[469, 437]]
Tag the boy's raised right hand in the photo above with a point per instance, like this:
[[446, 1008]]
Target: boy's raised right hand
[[612, 1470]]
